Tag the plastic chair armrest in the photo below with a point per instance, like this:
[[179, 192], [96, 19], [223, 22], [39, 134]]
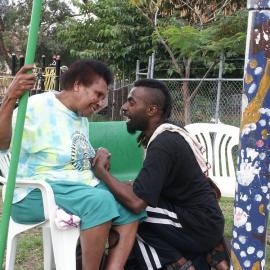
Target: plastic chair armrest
[[46, 191]]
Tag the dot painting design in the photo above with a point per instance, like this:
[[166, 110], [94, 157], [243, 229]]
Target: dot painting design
[[251, 207]]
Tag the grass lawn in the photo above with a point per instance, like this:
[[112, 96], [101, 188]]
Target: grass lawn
[[29, 247]]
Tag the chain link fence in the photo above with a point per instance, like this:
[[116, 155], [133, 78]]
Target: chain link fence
[[216, 100], [205, 106]]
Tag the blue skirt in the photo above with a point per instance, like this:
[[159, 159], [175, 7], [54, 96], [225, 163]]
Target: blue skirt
[[94, 205]]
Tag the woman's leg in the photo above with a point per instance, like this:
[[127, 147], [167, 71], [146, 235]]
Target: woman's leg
[[118, 255], [93, 243], [96, 209]]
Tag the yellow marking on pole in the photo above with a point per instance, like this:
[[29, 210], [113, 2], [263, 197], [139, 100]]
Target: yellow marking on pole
[[251, 113]]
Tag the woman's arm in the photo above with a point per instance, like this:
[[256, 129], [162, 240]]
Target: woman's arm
[[21, 82]]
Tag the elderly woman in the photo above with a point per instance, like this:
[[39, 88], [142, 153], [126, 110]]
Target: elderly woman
[[56, 148]]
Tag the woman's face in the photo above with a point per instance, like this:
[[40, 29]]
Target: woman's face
[[89, 99]]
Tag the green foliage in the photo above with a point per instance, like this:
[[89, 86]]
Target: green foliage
[[110, 30], [16, 18], [185, 41], [226, 35]]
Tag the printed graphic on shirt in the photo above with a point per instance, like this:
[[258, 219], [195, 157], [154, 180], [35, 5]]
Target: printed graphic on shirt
[[81, 152]]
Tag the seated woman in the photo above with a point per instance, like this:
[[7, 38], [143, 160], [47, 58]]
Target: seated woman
[[56, 148]]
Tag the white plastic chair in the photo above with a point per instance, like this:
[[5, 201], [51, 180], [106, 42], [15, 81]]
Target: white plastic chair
[[218, 140], [59, 246]]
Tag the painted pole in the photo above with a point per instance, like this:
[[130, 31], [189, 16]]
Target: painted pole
[[16, 145], [253, 186]]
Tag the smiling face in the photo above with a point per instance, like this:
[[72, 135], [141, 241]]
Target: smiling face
[[89, 99], [135, 110]]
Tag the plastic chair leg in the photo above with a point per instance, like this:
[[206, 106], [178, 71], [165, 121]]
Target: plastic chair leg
[[11, 252], [47, 249], [14, 230], [64, 248]]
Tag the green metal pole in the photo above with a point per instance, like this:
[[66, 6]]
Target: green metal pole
[[16, 145]]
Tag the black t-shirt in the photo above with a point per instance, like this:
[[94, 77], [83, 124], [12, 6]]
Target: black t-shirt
[[171, 172]]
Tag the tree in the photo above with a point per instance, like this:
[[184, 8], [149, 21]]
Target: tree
[[3, 51], [113, 31], [205, 34], [14, 24]]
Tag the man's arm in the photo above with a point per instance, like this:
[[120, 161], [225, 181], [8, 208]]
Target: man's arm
[[21, 82], [122, 191]]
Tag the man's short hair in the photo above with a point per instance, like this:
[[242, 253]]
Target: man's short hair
[[160, 94]]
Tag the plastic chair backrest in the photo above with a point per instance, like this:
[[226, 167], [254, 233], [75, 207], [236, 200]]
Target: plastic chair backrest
[[4, 164], [218, 140], [127, 157]]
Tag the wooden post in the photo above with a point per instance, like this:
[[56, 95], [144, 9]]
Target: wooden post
[[252, 190], [13, 64], [21, 61], [57, 72], [43, 66]]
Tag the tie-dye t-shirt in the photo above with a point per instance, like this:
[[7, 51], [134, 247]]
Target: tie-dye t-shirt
[[55, 144]]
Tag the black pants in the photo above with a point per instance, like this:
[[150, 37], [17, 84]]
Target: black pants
[[161, 241]]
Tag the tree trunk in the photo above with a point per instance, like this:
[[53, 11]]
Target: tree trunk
[[3, 50], [186, 93]]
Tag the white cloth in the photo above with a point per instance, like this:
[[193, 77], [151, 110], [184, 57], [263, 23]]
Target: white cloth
[[195, 146], [64, 221]]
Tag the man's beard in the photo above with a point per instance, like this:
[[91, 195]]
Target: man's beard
[[130, 128], [133, 125]]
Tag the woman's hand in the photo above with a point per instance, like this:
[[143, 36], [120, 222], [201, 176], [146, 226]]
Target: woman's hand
[[21, 82]]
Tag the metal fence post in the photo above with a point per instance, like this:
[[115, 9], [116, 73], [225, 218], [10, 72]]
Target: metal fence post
[[219, 87], [152, 65], [149, 67], [252, 190], [137, 69], [113, 98]]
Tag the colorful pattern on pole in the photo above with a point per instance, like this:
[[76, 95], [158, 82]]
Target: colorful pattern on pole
[[253, 187]]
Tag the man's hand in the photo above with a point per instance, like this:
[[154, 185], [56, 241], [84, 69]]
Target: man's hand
[[21, 82], [122, 191], [101, 162]]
